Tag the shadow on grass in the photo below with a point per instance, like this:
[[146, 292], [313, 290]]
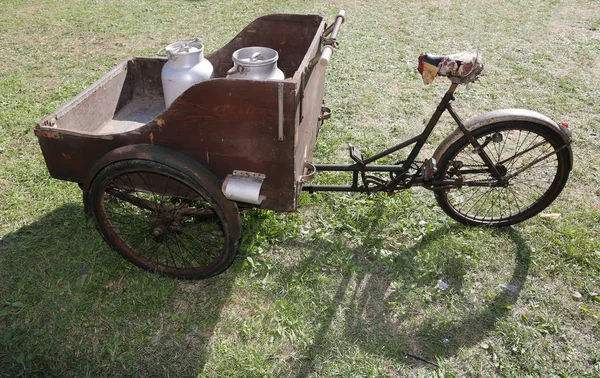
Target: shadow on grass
[[440, 332], [421, 333], [72, 306]]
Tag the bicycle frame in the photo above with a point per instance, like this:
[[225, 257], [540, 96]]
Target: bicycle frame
[[398, 172]]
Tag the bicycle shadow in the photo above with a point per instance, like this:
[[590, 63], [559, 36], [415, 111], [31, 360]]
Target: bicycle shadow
[[71, 303], [430, 338], [415, 339]]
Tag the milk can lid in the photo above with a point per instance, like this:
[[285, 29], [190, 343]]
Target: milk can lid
[[255, 56], [185, 47]]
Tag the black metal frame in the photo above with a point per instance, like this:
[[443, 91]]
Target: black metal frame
[[398, 173]]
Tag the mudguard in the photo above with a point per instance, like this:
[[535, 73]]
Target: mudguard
[[505, 115], [177, 161]]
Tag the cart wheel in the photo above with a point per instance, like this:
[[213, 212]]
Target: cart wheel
[[164, 220]]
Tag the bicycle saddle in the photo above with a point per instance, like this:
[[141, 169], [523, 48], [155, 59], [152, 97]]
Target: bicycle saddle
[[460, 68]]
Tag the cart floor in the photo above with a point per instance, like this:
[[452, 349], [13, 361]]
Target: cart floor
[[133, 115]]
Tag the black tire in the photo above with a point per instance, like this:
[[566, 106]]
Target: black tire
[[511, 146], [162, 219]]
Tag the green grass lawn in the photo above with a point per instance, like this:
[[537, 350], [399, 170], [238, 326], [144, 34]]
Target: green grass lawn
[[348, 285]]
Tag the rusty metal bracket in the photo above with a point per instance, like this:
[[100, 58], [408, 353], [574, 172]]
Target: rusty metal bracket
[[280, 108], [313, 62], [45, 133], [325, 113], [312, 172], [332, 42], [329, 42]]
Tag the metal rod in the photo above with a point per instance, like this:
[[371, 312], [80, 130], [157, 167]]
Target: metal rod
[[419, 141], [442, 106], [333, 188], [280, 105], [358, 168], [338, 22], [421, 138], [480, 151], [332, 29], [460, 124], [522, 152], [422, 359], [335, 26], [393, 149]]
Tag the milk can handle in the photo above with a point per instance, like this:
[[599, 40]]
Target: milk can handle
[[237, 69], [162, 52]]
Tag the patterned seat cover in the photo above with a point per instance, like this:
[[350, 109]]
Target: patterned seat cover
[[460, 68]]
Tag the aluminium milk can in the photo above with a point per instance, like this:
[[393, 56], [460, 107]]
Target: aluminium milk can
[[186, 67], [256, 63]]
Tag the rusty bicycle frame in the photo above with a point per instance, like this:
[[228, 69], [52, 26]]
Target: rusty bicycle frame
[[399, 172]]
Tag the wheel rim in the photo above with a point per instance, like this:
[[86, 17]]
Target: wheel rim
[[526, 161], [163, 221]]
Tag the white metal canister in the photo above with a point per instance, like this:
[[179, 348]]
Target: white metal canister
[[256, 63], [186, 67]]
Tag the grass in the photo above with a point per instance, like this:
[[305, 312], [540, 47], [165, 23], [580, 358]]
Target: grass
[[348, 285]]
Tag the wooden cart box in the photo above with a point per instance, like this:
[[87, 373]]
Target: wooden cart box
[[267, 127]]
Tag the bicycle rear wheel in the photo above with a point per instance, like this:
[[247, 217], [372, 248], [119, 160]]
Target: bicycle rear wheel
[[163, 220], [532, 160]]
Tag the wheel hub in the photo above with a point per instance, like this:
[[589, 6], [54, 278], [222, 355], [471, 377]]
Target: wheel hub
[[168, 221], [501, 169]]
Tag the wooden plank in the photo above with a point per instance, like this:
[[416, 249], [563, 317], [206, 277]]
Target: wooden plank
[[306, 133]]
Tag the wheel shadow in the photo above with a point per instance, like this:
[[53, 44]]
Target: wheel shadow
[[70, 303], [416, 338], [436, 334]]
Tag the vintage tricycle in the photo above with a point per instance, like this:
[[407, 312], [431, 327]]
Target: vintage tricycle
[[164, 183]]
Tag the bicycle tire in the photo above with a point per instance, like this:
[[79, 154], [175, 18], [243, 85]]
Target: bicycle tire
[[512, 146]]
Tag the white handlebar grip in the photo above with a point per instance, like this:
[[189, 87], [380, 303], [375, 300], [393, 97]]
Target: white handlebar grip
[[326, 56]]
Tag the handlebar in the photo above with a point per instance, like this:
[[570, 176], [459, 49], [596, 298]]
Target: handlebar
[[334, 29]]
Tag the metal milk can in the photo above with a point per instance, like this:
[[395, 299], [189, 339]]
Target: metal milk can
[[256, 63], [186, 67]]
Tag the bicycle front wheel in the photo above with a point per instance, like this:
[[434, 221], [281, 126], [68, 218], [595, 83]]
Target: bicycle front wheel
[[531, 159]]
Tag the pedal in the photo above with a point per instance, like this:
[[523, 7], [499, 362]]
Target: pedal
[[355, 154], [429, 169]]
